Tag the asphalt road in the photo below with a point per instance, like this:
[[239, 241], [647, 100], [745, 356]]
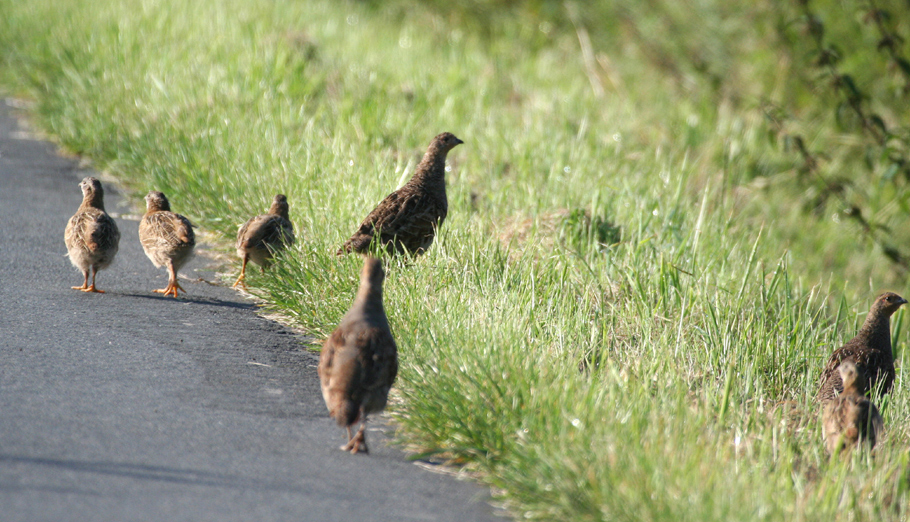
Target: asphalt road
[[131, 406]]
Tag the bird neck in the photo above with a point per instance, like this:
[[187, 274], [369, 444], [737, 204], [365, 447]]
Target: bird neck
[[877, 328], [369, 297], [431, 170], [93, 200]]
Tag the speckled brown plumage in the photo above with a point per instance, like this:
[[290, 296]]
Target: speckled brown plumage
[[407, 219], [359, 361], [870, 350], [260, 237], [92, 237], [851, 417], [167, 238]]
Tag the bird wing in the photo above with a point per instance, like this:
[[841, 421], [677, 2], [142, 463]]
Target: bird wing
[[266, 231], [875, 363], [166, 230], [92, 230], [379, 355]]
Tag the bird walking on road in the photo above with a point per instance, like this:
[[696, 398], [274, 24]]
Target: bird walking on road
[[260, 237], [91, 235], [359, 361], [870, 349], [851, 417], [167, 238], [407, 219]]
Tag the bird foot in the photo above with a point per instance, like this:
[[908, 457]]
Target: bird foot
[[83, 287], [357, 444], [92, 289], [170, 290], [240, 281]]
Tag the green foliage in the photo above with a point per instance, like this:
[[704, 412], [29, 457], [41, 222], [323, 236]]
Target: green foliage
[[627, 309]]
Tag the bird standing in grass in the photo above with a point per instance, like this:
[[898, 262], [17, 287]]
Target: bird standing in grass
[[260, 237], [870, 349], [407, 219], [851, 417], [359, 361], [91, 236], [167, 238]]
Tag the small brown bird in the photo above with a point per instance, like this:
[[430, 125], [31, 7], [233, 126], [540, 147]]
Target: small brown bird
[[870, 349], [407, 219], [167, 238], [91, 236], [851, 417], [359, 361], [260, 237]]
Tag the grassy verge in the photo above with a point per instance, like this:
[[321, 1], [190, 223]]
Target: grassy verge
[[628, 308]]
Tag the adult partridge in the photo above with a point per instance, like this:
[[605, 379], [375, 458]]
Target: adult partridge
[[407, 219], [870, 350]]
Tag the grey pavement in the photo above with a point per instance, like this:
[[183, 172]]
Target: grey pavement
[[131, 406]]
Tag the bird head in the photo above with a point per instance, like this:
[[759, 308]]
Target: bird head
[[888, 303], [851, 376], [90, 186], [445, 142], [279, 205], [156, 201]]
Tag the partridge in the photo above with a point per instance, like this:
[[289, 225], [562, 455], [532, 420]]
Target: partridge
[[91, 236], [870, 349], [851, 417], [260, 237], [407, 219], [359, 361], [167, 238]]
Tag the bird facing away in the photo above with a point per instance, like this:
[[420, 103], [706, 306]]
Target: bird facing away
[[851, 417], [167, 238], [407, 219], [91, 236], [260, 237], [359, 361], [870, 349]]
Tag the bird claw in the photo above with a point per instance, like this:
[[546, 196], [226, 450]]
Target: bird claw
[[357, 444], [170, 290]]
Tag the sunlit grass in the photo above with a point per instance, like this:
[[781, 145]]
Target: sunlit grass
[[617, 321]]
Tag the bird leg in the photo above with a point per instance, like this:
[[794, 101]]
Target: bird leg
[[92, 287], [358, 442], [240, 279], [172, 284], [84, 285]]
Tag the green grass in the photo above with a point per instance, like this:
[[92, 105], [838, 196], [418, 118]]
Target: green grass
[[627, 310]]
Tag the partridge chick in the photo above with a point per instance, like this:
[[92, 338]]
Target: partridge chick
[[91, 236], [851, 417], [406, 220], [262, 236], [359, 361], [870, 349], [167, 238]]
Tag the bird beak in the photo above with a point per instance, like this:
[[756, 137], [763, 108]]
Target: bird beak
[[903, 301], [459, 141]]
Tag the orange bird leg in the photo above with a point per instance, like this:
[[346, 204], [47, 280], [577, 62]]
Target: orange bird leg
[[240, 279], [84, 285], [92, 287]]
